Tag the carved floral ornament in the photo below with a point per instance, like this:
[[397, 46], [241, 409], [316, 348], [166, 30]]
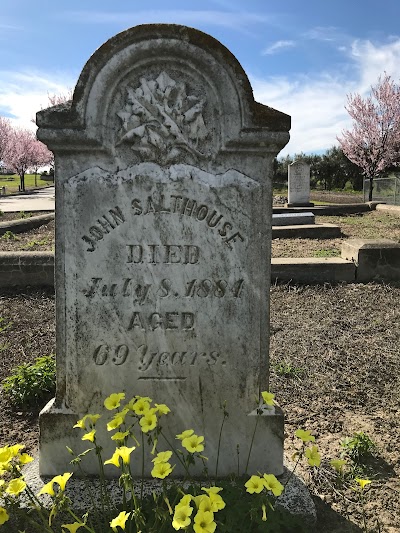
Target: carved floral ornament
[[161, 121]]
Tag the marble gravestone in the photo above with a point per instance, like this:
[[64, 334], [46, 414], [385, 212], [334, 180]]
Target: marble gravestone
[[163, 231], [299, 184]]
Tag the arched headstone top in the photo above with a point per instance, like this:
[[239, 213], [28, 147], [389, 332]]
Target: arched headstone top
[[163, 93]]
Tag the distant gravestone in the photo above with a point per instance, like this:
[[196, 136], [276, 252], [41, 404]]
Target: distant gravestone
[[162, 249], [299, 184]]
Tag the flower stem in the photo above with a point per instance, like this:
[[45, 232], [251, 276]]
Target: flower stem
[[219, 442], [252, 441]]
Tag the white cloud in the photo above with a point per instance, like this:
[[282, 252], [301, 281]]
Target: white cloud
[[279, 45], [323, 33], [316, 103], [24, 93]]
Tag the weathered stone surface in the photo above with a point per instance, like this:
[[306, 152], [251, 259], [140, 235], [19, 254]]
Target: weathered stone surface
[[26, 268], [292, 219], [162, 250], [312, 270], [375, 259], [299, 184]]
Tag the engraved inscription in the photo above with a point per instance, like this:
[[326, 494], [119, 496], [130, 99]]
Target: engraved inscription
[[161, 121], [141, 293], [184, 206], [104, 225], [186, 254], [167, 321]]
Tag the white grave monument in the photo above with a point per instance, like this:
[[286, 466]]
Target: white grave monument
[[163, 175], [299, 184]]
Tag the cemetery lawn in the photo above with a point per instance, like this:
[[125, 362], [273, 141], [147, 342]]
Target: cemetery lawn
[[11, 182], [334, 369]]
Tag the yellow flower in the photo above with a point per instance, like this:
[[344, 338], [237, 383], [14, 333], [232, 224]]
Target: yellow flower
[[272, 484], [114, 400], [162, 408], [268, 398], [16, 486], [338, 464], [114, 459], [62, 480], [181, 516], [363, 482], [305, 436], [47, 489], [204, 522], [14, 450], [204, 503], [148, 422], [193, 443], [162, 457], [217, 503], [5, 454], [72, 528], [185, 500], [25, 459], [213, 490], [3, 516], [141, 406], [254, 484], [161, 470], [82, 422], [185, 434], [117, 421], [125, 452], [120, 520], [264, 513], [314, 458], [120, 435], [90, 435]]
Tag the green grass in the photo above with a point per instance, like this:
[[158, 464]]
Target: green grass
[[11, 182], [326, 252]]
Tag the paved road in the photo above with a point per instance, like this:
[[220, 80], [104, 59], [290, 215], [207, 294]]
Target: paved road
[[39, 200]]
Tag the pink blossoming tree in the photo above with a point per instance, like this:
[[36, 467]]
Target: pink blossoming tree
[[373, 143], [5, 130]]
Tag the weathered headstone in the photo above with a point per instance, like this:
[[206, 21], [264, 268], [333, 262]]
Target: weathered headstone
[[299, 184], [163, 230]]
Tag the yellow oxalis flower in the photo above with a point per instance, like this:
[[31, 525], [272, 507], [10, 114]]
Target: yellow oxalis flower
[[213, 490], [254, 484], [114, 400], [82, 422], [193, 443], [185, 434], [204, 522], [117, 421], [25, 459], [141, 406], [14, 450], [161, 470], [162, 457], [114, 459], [125, 452], [120, 435], [217, 503], [162, 408], [268, 398], [5, 455], [16, 486], [148, 421], [185, 500], [272, 484], [205, 504], [47, 489], [90, 435], [120, 520], [338, 464], [363, 482], [314, 458], [72, 528], [181, 516], [4, 516], [62, 480], [305, 436]]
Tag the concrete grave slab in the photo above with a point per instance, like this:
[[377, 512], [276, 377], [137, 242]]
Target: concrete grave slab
[[162, 250], [292, 219], [375, 259]]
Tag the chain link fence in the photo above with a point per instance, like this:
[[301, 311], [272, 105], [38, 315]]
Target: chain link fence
[[385, 190]]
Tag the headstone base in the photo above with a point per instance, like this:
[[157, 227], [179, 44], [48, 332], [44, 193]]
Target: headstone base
[[266, 435]]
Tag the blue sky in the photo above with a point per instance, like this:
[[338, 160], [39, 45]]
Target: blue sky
[[302, 57]]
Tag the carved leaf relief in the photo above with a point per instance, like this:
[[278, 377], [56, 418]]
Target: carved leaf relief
[[161, 121]]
